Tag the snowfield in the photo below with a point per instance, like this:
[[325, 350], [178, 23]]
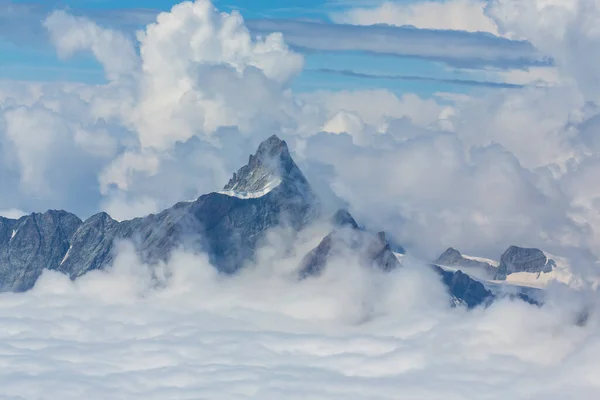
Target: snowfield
[[255, 194]]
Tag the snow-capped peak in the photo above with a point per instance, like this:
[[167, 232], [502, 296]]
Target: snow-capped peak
[[266, 170]]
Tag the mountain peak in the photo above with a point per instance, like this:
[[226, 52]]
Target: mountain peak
[[270, 166], [272, 147], [343, 218], [450, 254], [519, 259]]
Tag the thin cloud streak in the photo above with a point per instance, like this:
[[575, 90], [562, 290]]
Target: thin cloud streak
[[456, 48], [464, 82]]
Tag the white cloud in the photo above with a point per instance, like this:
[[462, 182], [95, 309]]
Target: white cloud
[[120, 172], [378, 106], [71, 34], [463, 15], [472, 16], [564, 30], [534, 76], [546, 117], [351, 334], [32, 133], [13, 213], [202, 70], [425, 189], [122, 208], [453, 48], [43, 146]]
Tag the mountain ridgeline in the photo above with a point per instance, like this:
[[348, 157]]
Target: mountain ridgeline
[[515, 260], [228, 226]]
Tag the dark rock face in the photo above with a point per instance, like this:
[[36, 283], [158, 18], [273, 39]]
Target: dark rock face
[[31, 244], [91, 246], [379, 250], [374, 251], [453, 258], [464, 289], [518, 259], [342, 218], [228, 228], [370, 250], [314, 262]]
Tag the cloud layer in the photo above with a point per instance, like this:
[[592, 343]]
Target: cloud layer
[[350, 334], [462, 15], [456, 48]]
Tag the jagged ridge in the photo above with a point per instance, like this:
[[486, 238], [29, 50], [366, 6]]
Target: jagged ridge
[[227, 228], [269, 191]]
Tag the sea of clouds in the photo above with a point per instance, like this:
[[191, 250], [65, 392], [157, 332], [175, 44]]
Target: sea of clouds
[[182, 331]]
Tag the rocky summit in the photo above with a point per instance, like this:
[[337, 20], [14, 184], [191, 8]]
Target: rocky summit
[[518, 259], [347, 240]]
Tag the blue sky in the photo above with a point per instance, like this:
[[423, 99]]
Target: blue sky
[[26, 54]]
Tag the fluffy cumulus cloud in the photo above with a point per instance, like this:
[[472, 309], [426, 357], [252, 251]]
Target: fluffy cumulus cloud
[[202, 70], [181, 331], [563, 29], [113, 49], [464, 15]]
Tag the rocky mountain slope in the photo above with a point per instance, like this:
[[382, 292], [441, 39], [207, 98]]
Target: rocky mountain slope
[[229, 225], [267, 192], [31, 244]]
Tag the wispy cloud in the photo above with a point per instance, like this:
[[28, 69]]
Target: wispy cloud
[[466, 82], [455, 48], [351, 334]]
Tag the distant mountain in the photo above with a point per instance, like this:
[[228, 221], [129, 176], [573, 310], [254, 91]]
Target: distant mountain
[[464, 289], [347, 240], [453, 258], [519, 259], [518, 266]]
